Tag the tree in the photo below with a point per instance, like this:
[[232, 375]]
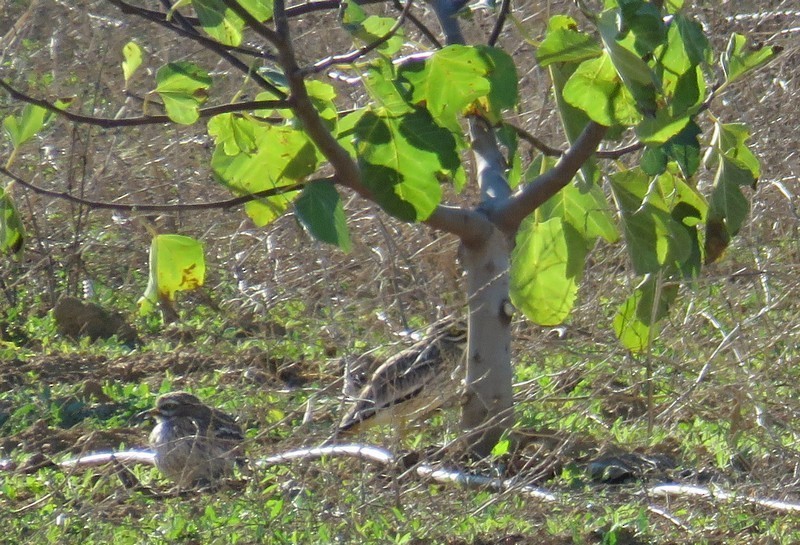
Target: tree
[[632, 70]]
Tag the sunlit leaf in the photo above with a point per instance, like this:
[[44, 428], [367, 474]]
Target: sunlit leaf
[[183, 88], [12, 233], [546, 267], [565, 43], [282, 157], [402, 160], [596, 89], [23, 128], [177, 264], [132, 54], [636, 323], [736, 61]]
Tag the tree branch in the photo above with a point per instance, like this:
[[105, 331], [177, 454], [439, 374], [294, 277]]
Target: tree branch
[[109, 123], [143, 207], [349, 58], [558, 152], [347, 172], [470, 226], [212, 45], [505, 9], [510, 214], [257, 26]]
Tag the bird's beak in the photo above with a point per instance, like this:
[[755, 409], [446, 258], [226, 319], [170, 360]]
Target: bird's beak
[[149, 414]]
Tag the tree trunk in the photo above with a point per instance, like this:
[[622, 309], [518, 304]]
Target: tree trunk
[[488, 408]]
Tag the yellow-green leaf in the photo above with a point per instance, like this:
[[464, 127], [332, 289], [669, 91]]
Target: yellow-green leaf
[[176, 264]]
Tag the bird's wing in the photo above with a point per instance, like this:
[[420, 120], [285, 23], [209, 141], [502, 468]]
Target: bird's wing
[[402, 377]]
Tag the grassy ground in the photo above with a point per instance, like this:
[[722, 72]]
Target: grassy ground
[[715, 403]]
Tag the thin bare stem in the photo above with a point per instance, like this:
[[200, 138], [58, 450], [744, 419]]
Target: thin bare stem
[[142, 207], [143, 120], [349, 58]]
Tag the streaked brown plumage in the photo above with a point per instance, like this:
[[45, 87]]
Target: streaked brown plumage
[[413, 383], [194, 444]]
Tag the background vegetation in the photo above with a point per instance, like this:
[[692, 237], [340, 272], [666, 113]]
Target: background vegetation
[[714, 403]]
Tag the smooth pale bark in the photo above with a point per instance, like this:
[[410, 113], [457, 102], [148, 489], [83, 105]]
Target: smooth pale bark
[[488, 401]]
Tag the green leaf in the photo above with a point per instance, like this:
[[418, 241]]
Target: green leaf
[[385, 90], [283, 157], [219, 21], [322, 95], [645, 21], [596, 89], [586, 210], [183, 88], [736, 167], [684, 149], [457, 77], [132, 54], [655, 239], [369, 29], [546, 267], [565, 43], [403, 158], [23, 128], [660, 128], [687, 46], [736, 62], [632, 70], [176, 264], [12, 233], [319, 209], [636, 322], [573, 119], [233, 133]]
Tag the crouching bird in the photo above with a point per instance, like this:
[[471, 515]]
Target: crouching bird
[[413, 383], [194, 444]]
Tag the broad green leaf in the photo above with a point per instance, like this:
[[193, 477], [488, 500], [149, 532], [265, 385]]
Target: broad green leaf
[[454, 78], [636, 322], [183, 88], [369, 29], [283, 157], [260, 9], [687, 46], [684, 149], [233, 133], [132, 54], [546, 267], [12, 233], [402, 160], [660, 128], [573, 119], [322, 95], [655, 239], [736, 61], [587, 211], [632, 70], [565, 43], [736, 167], [23, 128], [319, 209], [220, 22], [503, 84], [385, 90], [688, 93], [645, 21], [176, 264], [596, 89]]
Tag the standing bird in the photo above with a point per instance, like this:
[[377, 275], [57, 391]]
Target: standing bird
[[194, 444], [413, 383]]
